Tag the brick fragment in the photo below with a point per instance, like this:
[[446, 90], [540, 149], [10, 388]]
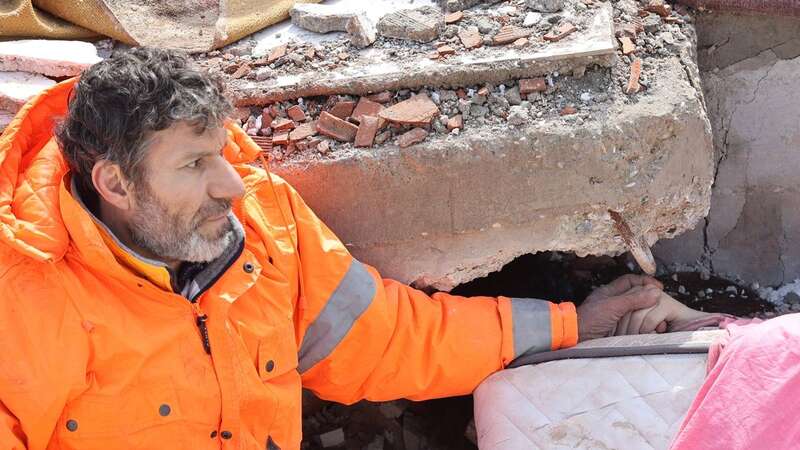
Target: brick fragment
[[423, 24], [633, 81], [434, 55], [453, 17], [381, 97], [332, 126], [296, 113], [628, 30], [628, 46], [470, 37], [521, 42], [264, 142], [412, 137], [365, 135], [483, 91], [563, 30], [281, 124], [528, 85], [366, 107], [567, 110], [323, 147], [303, 131], [276, 53], [445, 50], [280, 138], [659, 7], [343, 109], [509, 34], [454, 122], [243, 70], [419, 110]]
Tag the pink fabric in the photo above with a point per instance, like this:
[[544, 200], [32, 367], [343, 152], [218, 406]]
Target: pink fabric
[[751, 397]]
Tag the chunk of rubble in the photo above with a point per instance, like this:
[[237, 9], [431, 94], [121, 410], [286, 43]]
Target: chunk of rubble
[[328, 18], [470, 37], [303, 131], [365, 136], [48, 57], [563, 30], [453, 17], [412, 137], [420, 24], [528, 85], [343, 109], [509, 34], [628, 46], [546, 6], [366, 107], [17, 87], [334, 127], [419, 110], [5, 118], [633, 81]]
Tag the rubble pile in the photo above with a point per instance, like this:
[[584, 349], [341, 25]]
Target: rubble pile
[[646, 32], [27, 67]]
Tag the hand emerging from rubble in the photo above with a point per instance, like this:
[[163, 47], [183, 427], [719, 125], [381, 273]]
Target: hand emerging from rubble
[[603, 309], [667, 315]]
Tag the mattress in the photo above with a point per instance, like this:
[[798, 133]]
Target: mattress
[[625, 392]]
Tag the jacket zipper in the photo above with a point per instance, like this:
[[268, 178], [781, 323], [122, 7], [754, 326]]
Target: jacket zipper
[[201, 318]]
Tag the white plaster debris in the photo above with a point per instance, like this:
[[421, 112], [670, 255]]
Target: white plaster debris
[[17, 87], [285, 31], [777, 296], [49, 57]]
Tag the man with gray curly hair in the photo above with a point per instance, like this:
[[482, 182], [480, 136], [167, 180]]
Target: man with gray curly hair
[[159, 291]]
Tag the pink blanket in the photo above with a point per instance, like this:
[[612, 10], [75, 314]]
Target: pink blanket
[[751, 397]]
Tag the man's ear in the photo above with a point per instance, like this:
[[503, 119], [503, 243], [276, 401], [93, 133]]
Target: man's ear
[[111, 184]]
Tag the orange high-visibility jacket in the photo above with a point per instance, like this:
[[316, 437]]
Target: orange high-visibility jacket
[[93, 355]]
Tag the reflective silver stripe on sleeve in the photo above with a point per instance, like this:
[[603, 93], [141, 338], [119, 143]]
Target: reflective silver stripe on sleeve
[[350, 299], [530, 319]]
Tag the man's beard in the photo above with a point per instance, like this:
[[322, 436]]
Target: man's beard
[[170, 236]]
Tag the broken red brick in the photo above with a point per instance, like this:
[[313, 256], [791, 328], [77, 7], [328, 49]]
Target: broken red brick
[[445, 50], [276, 54], [334, 127], [455, 122], [281, 124], [419, 110], [303, 131], [659, 7], [264, 142], [381, 97], [366, 107], [628, 46], [243, 70], [643, 13], [521, 42], [412, 137], [266, 117], [296, 113], [563, 30], [673, 19], [633, 82], [453, 17], [568, 110], [483, 91], [528, 85], [509, 34], [434, 55], [638, 25], [470, 37], [628, 30], [280, 139], [343, 109], [309, 53], [365, 135]]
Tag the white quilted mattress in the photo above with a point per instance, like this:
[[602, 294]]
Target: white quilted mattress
[[623, 402]]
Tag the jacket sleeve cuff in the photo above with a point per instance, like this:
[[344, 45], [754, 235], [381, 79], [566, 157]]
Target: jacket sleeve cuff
[[540, 326]]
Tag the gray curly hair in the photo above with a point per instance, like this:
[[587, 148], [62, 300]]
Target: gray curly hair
[[118, 103]]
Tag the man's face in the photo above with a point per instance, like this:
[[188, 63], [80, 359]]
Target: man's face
[[180, 208]]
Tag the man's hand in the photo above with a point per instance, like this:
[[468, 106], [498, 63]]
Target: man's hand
[[667, 315], [599, 314]]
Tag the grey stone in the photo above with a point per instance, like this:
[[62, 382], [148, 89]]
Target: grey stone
[[321, 18], [531, 19], [420, 24], [518, 115], [361, 30], [485, 25], [333, 438], [548, 6], [478, 111], [513, 96]]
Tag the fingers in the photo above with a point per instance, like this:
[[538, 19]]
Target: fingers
[[626, 282], [638, 297], [622, 325], [662, 327], [637, 319]]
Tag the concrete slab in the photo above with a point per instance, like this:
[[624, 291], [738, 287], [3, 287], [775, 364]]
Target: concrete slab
[[49, 57], [17, 87], [455, 208], [593, 46]]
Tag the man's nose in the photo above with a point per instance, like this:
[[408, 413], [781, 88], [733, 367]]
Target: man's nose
[[226, 183]]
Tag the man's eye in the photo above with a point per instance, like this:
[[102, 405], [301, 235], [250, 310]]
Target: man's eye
[[193, 164]]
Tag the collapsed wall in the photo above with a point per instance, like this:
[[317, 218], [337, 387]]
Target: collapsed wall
[[561, 117]]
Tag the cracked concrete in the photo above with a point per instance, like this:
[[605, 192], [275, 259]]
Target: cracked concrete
[[753, 96]]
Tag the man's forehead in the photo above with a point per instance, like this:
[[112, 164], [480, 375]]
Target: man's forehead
[[183, 139]]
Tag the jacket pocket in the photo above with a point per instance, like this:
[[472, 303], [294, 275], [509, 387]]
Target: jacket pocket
[[277, 353]]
